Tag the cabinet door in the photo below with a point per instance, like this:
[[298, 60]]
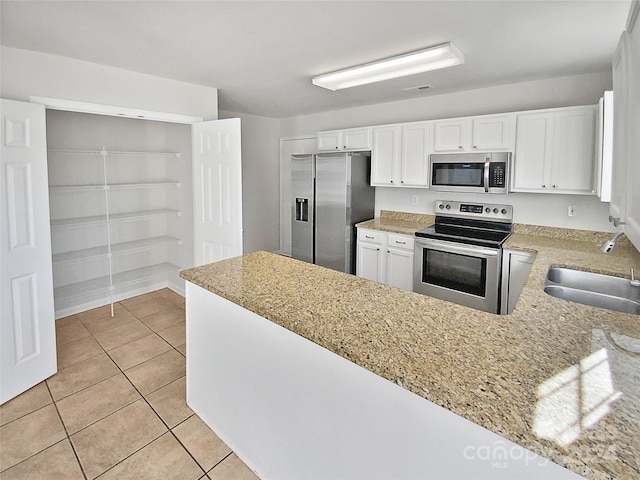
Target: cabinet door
[[356, 139], [414, 160], [621, 128], [492, 133], [400, 268], [27, 325], [368, 261], [450, 135], [329, 141], [573, 151], [217, 190], [515, 271], [533, 152], [384, 156]]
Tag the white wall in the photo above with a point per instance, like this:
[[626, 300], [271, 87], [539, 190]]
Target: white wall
[[534, 209], [546, 93], [27, 73], [260, 181], [549, 210]]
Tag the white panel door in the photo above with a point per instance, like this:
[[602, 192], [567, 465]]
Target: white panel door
[[217, 188], [632, 228], [27, 324], [621, 95]]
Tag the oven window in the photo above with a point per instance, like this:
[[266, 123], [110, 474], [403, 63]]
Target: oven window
[[458, 272], [458, 174]]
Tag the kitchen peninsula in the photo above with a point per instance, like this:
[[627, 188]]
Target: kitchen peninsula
[[557, 378]]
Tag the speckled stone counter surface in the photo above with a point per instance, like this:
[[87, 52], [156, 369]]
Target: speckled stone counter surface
[[398, 222], [559, 378]]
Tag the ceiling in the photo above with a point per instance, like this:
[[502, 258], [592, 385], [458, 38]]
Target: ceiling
[[261, 55]]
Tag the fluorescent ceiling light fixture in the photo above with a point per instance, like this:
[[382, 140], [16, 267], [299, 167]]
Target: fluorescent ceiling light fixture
[[433, 58]]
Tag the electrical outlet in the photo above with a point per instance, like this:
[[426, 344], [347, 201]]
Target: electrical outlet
[[573, 210], [415, 199]]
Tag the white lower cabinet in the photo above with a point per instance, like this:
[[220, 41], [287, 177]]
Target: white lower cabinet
[[516, 266], [385, 257]]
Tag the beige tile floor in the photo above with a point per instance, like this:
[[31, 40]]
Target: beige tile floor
[[116, 408]]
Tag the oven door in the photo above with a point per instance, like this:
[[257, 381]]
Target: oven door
[[464, 274]]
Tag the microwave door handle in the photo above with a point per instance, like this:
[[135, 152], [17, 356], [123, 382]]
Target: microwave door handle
[[487, 161]]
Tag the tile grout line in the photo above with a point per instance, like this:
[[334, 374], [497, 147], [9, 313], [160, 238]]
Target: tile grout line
[[121, 371], [66, 431], [169, 430]]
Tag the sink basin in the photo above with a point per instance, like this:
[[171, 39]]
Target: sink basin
[[604, 291]]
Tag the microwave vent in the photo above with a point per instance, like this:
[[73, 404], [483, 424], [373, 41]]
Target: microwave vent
[[417, 89]]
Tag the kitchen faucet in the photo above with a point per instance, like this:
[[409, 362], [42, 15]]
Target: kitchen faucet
[[608, 245]]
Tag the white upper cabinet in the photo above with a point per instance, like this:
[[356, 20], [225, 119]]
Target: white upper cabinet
[[400, 155], [555, 151], [451, 135], [475, 134], [385, 156], [343, 140], [414, 159], [625, 194]]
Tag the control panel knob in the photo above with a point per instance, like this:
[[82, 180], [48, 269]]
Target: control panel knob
[[503, 211], [448, 207], [495, 210], [487, 210], [441, 206]]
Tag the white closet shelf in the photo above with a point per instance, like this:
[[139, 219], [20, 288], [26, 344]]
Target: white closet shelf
[[112, 186], [114, 217], [122, 279], [116, 249], [63, 151]]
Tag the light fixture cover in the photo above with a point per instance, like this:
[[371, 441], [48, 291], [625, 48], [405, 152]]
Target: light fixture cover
[[433, 58]]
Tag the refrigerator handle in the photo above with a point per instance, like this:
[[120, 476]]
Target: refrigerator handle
[[302, 209]]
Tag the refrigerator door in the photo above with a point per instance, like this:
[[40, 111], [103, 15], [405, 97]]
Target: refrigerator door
[[302, 207], [332, 226]]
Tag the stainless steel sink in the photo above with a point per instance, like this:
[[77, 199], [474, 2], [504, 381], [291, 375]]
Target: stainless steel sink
[[604, 291]]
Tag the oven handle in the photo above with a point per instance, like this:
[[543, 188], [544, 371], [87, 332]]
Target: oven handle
[[444, 246], [487, 161]]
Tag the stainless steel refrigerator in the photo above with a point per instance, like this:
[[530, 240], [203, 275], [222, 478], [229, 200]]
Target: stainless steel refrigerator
[[330, 194]]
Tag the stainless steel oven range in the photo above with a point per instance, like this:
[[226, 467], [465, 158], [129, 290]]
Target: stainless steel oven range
[[459, 257]]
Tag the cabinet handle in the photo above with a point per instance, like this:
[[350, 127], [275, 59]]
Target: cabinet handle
[[544, 186], [475, 146], [391, 181], [554, 186], [460, 147], [401, 243], [401, 181], [367, 236], [377, 249]]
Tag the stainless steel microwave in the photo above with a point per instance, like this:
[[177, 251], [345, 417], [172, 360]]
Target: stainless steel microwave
[[470, 172]]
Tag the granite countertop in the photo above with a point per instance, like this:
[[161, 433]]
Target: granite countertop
[[398, 222], [559, 378]]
